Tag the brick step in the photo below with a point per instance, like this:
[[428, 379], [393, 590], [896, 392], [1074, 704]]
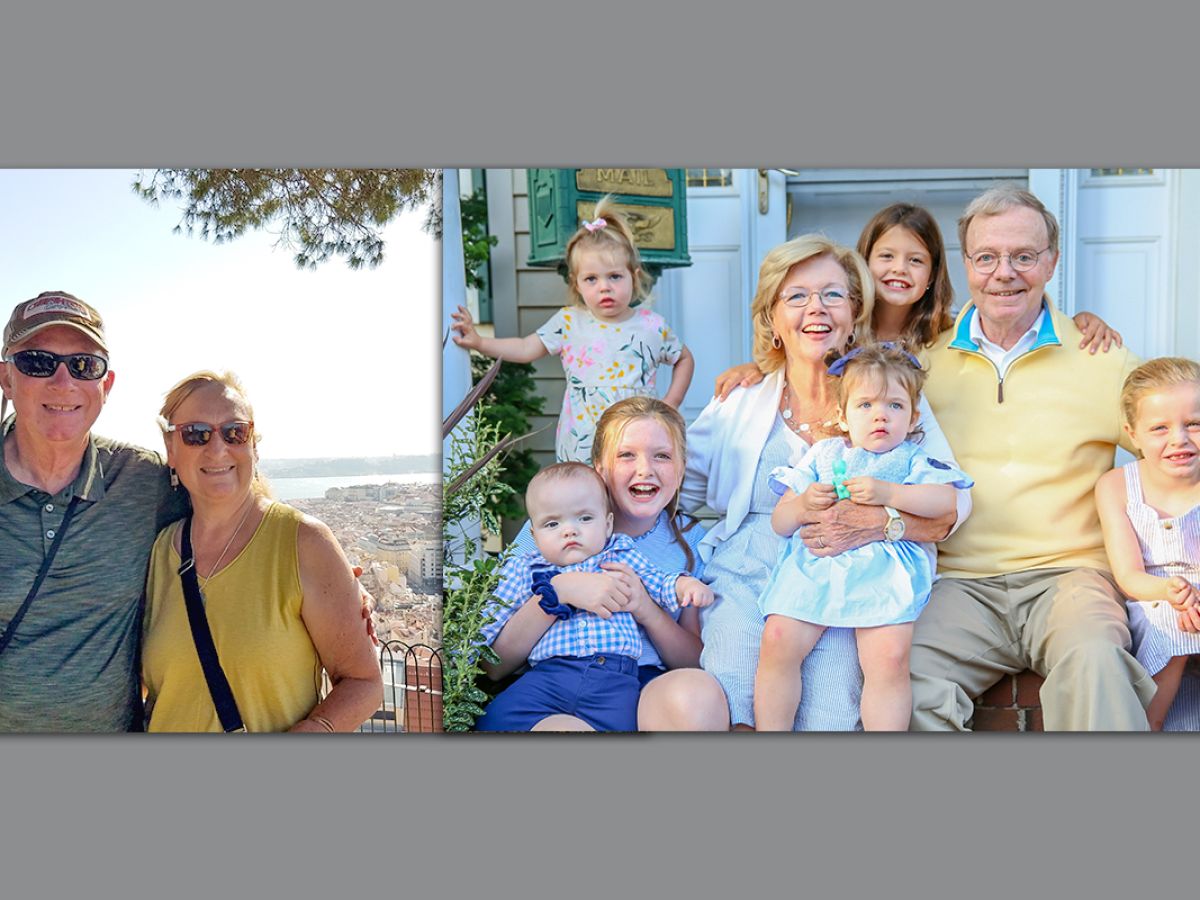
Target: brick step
[[1011, 704]]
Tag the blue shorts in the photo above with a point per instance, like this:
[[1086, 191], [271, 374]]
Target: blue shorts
[[600, 690]]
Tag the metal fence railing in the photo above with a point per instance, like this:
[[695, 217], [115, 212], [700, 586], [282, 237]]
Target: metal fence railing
[[412, 690]]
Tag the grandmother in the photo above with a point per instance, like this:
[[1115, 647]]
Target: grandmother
[[814, 300]]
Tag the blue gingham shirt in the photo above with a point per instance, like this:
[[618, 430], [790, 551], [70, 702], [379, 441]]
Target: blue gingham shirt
[[584, 633]]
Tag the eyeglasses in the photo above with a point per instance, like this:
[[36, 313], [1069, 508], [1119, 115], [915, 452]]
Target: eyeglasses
[[830, 297], [197, 434], [985, 262], [43, 364]]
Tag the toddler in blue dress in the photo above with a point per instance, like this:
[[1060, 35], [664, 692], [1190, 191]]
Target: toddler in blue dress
[[585, 665], [880, 588]]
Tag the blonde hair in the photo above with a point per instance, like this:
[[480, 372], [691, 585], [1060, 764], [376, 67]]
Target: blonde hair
[[1153, 375], [568, 471], [609, 430], [775, 266], [1001, 198], [231, 384], [616, 237], [880, 364]]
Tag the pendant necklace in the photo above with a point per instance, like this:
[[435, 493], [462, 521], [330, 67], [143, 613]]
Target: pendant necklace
[[800, 427], [229, 543]]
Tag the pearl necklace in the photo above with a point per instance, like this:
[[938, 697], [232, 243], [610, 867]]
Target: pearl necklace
[[800, 426]]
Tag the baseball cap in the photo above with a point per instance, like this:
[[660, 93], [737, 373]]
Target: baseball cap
[[53, 308]]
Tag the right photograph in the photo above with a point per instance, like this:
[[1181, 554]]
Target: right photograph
[[790, 449]]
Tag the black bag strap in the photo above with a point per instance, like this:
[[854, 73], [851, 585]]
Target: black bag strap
[[218, 684], [41, 575]]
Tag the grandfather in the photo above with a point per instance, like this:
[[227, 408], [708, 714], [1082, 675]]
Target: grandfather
[[1035, 422], [69, 646]]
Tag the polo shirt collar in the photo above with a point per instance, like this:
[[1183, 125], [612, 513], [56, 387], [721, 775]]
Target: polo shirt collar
[[966, 328], [89, 484]]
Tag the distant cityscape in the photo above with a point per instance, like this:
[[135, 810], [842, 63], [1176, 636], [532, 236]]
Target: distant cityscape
[[392, 530], [317, 467]]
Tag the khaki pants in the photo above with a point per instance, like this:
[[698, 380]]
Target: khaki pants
[[1068, 625]]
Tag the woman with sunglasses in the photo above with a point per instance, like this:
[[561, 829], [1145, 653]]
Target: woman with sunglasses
[[278, 595]]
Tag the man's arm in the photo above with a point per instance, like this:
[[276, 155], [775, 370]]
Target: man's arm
[[845, 526]]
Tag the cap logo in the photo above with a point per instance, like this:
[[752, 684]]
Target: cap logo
[[56, 303]]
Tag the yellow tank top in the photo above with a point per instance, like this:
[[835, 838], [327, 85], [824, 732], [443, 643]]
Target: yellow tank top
[[253, 608]]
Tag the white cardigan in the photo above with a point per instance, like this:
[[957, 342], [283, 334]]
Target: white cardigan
[[727, 439]]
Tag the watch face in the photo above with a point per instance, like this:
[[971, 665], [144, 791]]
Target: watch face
[[894, 530]]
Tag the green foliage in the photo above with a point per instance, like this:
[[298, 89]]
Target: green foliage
[[470, 576], [320, 213], [513, 403], [477, 243]]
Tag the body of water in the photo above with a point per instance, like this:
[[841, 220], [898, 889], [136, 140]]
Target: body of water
[[315, 488]]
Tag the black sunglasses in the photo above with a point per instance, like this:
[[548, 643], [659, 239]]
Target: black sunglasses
[[197, 434], [43, 364]]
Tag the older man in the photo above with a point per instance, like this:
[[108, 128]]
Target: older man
[[90, 508], [1035, 422]]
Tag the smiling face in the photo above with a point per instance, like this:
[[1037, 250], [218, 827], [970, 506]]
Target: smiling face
[[1167, 430], [568, 517], [215, 471], [604, 280], [643, 472], [878, 413], [59, 409], [901, 267], [809, 333], [1009, 301]]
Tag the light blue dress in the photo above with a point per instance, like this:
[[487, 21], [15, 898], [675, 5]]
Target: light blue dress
[[881, 583], [732, 627]]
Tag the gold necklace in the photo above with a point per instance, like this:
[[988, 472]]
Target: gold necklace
[[800, 426], [229, 543]]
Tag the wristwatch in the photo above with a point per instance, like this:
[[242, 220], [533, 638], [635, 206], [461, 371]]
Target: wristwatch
[[893, 528]]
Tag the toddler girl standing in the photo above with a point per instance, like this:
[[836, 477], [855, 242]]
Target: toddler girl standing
[[609, 349], [1150, 513], [878, 589]]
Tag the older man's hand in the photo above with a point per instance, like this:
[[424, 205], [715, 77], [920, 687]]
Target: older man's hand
[[843, 527]]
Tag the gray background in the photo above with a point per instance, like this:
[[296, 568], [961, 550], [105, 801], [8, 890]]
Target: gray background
[[748, 83]]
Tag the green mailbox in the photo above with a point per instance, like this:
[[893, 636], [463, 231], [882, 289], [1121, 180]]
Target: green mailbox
[[653, 200]]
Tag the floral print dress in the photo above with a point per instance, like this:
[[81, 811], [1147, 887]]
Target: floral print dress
[[604, 362]]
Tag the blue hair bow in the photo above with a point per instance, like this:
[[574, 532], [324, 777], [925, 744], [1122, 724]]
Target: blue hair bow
[[838, 366]]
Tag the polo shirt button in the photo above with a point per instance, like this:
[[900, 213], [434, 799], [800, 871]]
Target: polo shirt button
[[49, 507], [50, 534]]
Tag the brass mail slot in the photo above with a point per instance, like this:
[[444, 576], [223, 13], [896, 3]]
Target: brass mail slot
[[635, 182]]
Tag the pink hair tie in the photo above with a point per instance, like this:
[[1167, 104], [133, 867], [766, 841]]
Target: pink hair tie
[[594, 226]]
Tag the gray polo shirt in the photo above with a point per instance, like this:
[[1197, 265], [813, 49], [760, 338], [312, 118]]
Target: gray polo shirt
[[72, 662]]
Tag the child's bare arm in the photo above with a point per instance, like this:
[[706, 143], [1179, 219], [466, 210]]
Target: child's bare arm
[[792, 509], [927, 500], [517, 349], [1121, 545], [745, 375], [681, 377]]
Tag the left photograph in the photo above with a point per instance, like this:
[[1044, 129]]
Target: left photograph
[[220, 491]]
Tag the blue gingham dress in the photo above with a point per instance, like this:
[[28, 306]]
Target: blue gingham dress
[[1169, 547], [738, 571]]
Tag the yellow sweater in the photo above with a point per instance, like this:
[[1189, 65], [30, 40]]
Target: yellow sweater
[[253, 609], [1035, 445]]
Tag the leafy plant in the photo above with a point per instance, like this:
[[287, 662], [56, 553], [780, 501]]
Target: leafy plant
[[471, 490], [512, 402], [477, 243]]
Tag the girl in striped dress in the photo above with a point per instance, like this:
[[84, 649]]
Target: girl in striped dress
[[1150, 513]]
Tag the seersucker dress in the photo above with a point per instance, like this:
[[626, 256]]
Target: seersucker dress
[[880, 583], [738, 571], [1169, 547]]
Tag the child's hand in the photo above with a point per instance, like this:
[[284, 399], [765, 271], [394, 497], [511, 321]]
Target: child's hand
[[596, 592], [1097, 335], [693, 592], [745, 375], [820, 496], [1180, 593], [631, 583], [461, 322], [1189, 620], [869, 491]]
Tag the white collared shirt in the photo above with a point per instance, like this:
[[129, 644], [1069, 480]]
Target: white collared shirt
[[998, 355]]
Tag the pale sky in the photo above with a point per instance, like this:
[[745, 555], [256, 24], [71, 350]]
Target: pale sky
[[336, 362]]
